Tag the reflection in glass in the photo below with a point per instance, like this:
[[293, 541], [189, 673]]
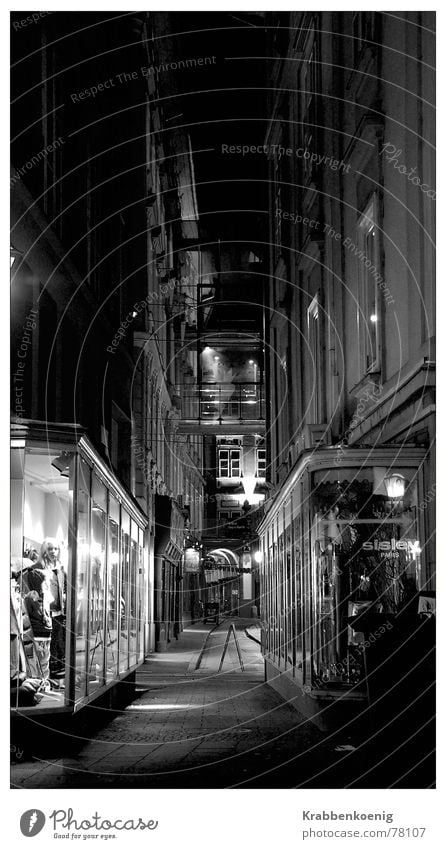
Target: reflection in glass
[[142, 595], [97, 585], [366, 564], [133, 624], [124, 598], [112, 606]]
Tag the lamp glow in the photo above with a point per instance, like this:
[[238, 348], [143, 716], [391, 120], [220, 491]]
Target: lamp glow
[[249, 485], [395, 486]]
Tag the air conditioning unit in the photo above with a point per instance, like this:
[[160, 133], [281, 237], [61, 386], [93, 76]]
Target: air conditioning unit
[[315, 436]]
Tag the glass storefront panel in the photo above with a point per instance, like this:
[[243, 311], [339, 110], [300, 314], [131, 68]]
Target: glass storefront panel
[[112, 605], [133, 594], [366, 564], [83, 570], [142, 595], [41, 495], [96, 641], [297, 622], [125, 594], [78, 582]]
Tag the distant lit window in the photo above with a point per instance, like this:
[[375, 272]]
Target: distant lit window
[[261, 462], [229, 463]]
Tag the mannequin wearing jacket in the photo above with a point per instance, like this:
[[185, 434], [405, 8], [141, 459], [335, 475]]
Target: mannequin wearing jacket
[[49, 563], [37, 602]]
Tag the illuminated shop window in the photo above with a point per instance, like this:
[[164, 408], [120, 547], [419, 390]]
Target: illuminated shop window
[[366, 565]]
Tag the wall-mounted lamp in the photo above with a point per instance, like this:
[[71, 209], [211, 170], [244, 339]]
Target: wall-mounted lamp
[[395, 485], [14, 255]]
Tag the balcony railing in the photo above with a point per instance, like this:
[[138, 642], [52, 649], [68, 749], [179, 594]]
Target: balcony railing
[[223, 402]]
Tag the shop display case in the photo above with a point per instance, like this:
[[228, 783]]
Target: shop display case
[[67, 651], [342, 556]]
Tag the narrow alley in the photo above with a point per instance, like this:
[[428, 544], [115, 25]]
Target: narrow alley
[[222, 558], [190, 725]]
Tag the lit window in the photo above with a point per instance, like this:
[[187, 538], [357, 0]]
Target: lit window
[[261, 462], [229, 463]]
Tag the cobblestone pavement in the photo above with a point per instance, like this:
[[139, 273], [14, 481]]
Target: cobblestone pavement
[[190, 727]]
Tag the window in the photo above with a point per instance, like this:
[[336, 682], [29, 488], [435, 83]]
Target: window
[[363, 32], [369, 314], [228, 515], [314, 345], [366, 556], [229, 463], [230, 523], [261, 462], [309, 94], [120, 450]]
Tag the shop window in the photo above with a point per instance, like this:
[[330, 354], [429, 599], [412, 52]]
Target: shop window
[[142, 599], [83, 570], [96, 641], [125, 594], [133, 594], [229, 462], [366, 566], [112, 606], [41, 494], [369, 310], [78, 585]]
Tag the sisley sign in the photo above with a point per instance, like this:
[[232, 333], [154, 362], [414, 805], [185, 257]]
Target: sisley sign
[[412, 546]]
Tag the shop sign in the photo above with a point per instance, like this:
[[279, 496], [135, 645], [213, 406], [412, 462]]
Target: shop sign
[[412, 546]]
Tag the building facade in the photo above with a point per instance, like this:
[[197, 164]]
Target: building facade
[[101, 293], [351, 365]]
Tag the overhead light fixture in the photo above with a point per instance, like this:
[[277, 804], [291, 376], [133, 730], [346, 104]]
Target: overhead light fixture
[[62, 463]]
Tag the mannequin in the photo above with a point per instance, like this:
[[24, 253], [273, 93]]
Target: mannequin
[[37, 602], [49, 562]]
